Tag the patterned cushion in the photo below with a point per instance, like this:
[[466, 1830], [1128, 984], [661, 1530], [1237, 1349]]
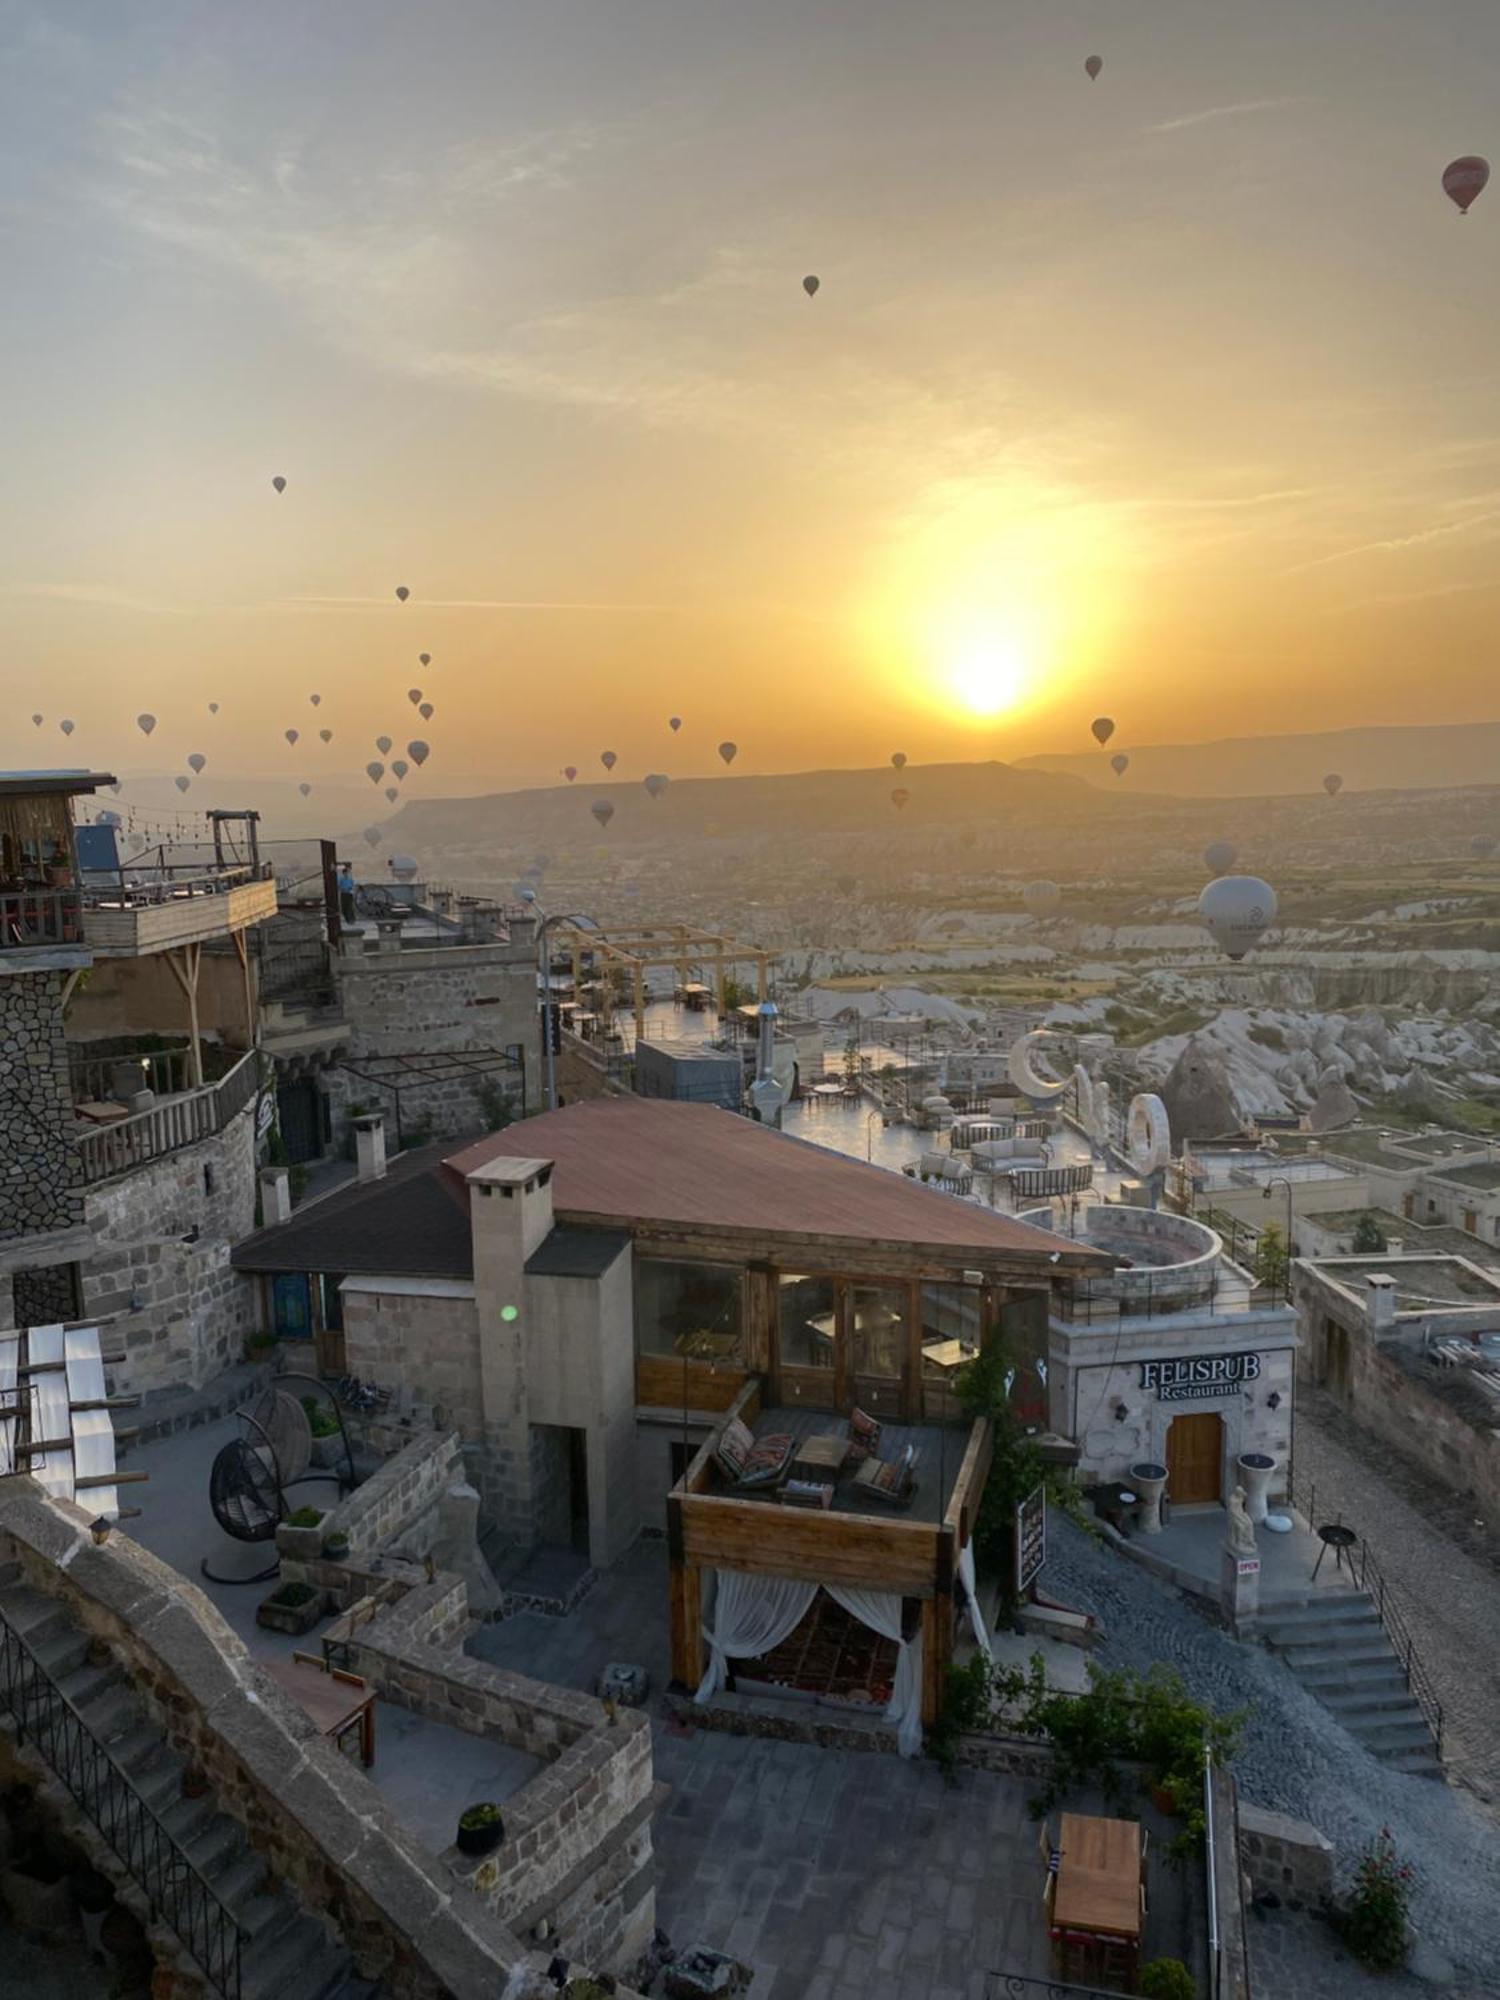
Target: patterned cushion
[[733, 1448], [864, 1431]]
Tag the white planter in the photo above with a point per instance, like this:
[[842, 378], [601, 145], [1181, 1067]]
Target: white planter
[[1255, 1469], [1149, 1480]]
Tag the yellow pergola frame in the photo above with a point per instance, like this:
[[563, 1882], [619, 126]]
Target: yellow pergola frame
[[680, 945]]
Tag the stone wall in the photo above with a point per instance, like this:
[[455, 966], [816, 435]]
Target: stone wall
[[461, 1000], [1286, 1857], [396, 1496], [421, 1342], [582, 1074], [321, 1826], [41, 1176], [162, 1235], [577, 1849], [1429, 1419]]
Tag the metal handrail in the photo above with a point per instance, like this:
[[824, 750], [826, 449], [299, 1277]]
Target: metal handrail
[[1418, 1680], [168, 884], [180, 1894], [1210, 1870], [1022, 1986]]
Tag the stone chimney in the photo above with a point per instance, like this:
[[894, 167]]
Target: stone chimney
[[369, 1147], [388, 931], [1380, 1302], [275, 1196]]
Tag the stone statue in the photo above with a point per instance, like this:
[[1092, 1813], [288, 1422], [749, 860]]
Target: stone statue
[[1241, 1528]]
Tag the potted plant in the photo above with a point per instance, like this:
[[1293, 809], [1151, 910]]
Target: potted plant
[[1373, 1923], [480, 1829], [336, 1546], [299, 1536], [292, 1607], [327, 1439], [1168, 1979]]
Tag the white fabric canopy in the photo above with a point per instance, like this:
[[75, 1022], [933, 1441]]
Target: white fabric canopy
[[969, 1579], [881, 1611], [751, 1615]]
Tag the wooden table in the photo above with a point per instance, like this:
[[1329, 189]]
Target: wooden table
[[334, 1702], [1099, 1877], [947, 1354], [822, 1454]]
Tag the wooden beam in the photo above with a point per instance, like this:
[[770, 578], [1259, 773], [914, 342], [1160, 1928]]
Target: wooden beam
[[968, 1486], [937, 1654], [186, 975], [763, 1539], [242, 953], [685, 1620]]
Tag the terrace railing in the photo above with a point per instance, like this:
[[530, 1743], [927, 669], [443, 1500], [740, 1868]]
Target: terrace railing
[[1021, 1986], [169, 1126], [132, 890], [178, 1892], [32, 917], [163, 1070]]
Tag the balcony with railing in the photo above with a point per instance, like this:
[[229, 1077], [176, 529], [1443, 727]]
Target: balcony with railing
[[168, 1125], [168, 907]]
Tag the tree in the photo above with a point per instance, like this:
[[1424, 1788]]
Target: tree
[[1271, 1258], [1368, 1239]]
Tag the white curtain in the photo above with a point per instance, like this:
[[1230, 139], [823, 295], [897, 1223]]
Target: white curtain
[[751, 1614], [882, 1613], [970, 1582]]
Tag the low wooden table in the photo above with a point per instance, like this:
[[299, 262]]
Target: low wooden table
[[1099, 1877], [336, 1703], [818, 1455], [947, 1354]]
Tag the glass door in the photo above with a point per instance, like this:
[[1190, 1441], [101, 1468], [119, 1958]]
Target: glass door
[[877, 1340]]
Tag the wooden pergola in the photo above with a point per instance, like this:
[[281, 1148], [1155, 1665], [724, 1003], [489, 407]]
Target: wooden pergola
[[682, 946]]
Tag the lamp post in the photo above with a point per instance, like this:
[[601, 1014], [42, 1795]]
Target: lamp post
[[544, 948], [869, 1142], [1280, 1180]]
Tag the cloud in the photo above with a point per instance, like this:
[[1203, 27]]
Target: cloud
[[103, 594], [481, 604], [1216, 111], [1396, 544]]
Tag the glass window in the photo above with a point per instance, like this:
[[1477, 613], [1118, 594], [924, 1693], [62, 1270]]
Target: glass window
[[808, 1321], [688, 1310], [877, 1345], [950, 1337], [1023, 1334]]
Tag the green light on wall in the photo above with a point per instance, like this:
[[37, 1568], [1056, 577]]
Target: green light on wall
[[510, 1312]]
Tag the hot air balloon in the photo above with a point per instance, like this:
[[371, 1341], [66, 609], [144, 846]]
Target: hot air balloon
[[608, 759], [279, 483], [603, 811], [1092, 66], [899, 798], [418, 752], [1333, 784], [414, 696], [66, 728], [1465, 180], [316, 700], [655, 783], [1042, 898], [38, 720], [898, 760], [399, 767], [374, 835], [291, 734], [1102, 728], [374, 772], [196, 761], [426, 711], [213, 708], [106, 819], [145, 724], [810, 286], [393, 792], [1119, 763], [182, 783], [383, 744], [729, 751], [325, 735], [1482, 845], [846, 884], [402, 593], [570, 772], [304, 788], [1238, 909], [425, 658], [674, 723], [1219, 856]]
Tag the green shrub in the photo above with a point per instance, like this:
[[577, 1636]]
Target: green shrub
[[292, 1596], [1374, 1923], [479, 1816], [320, 1419], [1168, 1979], [305, 1517]]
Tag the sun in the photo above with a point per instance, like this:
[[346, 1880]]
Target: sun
[[987, 674]]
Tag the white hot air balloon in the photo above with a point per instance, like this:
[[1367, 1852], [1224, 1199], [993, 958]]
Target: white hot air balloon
[[196, 761], [383, 744], [1043, 899], [145, 724], [374, 772], [1238, 909], [418, 751]]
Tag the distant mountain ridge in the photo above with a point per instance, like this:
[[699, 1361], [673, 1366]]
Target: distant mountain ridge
[[1402, 757]]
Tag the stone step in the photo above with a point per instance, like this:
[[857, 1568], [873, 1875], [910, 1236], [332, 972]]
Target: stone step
[[292, 1959], [1395, 1733], [1368, 1676], [86, 1685], [28, 1610], [1353, 1706], [1416, 1763], [1375, 1651], [1320, 1604], [1303, 1631]]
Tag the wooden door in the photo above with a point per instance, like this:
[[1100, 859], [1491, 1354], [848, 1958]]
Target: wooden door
[[1195, 1455]]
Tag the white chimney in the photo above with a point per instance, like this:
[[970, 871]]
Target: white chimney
[[275, 1196], [388, 931], [1380, 1302], [369, 1147], [1394, 1247]]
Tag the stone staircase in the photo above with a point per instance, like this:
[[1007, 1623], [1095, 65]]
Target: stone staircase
[[284, 1953], [1337, 1647]]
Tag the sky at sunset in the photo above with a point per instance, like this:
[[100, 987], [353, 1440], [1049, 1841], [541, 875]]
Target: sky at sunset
[[1171, 395]]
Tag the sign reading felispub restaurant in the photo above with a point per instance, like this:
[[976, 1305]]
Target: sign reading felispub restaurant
[[1199, 1378]]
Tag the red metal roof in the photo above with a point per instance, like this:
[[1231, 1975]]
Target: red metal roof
[[652, 1160]]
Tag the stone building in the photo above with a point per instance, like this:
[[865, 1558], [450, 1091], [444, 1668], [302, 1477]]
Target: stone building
[[130, 1080]]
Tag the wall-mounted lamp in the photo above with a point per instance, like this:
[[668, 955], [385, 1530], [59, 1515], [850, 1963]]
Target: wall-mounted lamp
[[99, 1528], [1273, 1401], [1122, 1411]]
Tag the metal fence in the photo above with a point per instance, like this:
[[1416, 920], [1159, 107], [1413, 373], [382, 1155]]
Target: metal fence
[[180, 1895], [1020, 1986]]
